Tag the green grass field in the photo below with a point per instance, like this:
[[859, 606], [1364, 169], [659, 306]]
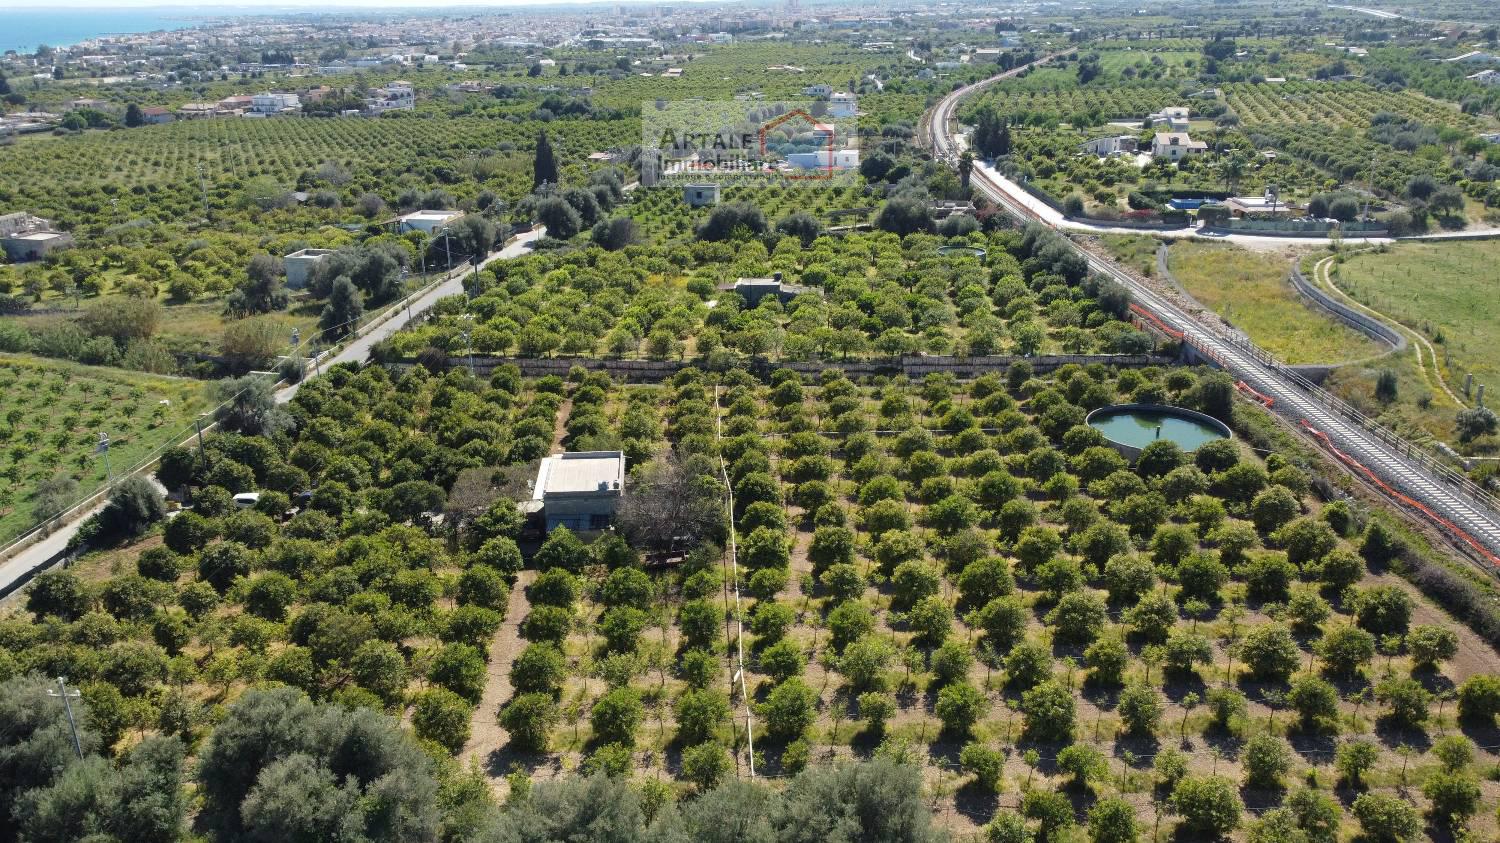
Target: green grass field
[[1446, 291], [51, 415], [1137, 251], [1250, 290], [1114, 61]]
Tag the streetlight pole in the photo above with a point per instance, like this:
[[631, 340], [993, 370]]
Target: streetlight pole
[[469, 346], [66, 695]]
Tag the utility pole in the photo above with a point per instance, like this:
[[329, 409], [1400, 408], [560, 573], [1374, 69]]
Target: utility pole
[[198, 424], [103, 448], [203, 188], [447, 251], [469, 345], [66, 695]]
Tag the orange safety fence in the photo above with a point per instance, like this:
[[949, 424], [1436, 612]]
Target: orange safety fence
[[1151, 319], [1417, 505], [1255, 393]]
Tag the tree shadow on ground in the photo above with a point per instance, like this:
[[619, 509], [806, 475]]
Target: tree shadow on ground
[[975, 801], [1225, 742], [1181, 683], [1482, 733], [1394, 735], [1261, 799], [1433, 681], [508, 758], [1316, 746]]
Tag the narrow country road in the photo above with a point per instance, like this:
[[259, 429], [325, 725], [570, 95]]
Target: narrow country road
[[32, 558], [359, 349]]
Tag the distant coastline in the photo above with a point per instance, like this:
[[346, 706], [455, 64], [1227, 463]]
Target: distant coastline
[[27, 29]]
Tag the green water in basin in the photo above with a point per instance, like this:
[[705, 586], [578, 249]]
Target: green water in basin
[[1139, 428]]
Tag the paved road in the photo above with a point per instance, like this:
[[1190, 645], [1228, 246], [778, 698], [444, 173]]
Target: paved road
[[359, 349], [28, 560], [36, 555], [1449, 497]]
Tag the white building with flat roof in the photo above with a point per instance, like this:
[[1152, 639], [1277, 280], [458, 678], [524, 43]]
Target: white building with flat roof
[[1174, 118], [24, 237], [580, 490], [843, 104], [824, 159], [426, 221], [698, 195], [274, 103], [299, 265], [395, 96]]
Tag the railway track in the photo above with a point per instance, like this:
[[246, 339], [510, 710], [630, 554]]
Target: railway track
[[1412, 477]]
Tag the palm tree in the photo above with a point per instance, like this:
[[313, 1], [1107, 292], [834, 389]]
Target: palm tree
[[1233, 169], [965, 169]]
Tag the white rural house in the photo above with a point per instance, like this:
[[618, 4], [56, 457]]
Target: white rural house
[[1117, 145], [299, 265], [268, 104], [395, 96], [843, 104], [1174, 118], [1175, 146], [580, 490], [24, 237], [426, 221], [698, 195]]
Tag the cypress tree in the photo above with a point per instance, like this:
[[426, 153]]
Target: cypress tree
[[544, 169]]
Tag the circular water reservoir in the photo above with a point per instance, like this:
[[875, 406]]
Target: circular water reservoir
[[1131, 427]]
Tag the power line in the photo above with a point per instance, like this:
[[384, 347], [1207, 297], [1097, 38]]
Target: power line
[[739, 614]]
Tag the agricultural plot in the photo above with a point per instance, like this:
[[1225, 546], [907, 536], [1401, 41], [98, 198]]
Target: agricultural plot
[[1439, 290], [1323, 134], [662, 214], [53, 416], [866, 294], [1082, 106], [154, 174], [960, 575], [1250, 291], [1338, 103]]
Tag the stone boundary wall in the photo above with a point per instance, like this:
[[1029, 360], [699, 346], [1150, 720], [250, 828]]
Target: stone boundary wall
[[912, 366]]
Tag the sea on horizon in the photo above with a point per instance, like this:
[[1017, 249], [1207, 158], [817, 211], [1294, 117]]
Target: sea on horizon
[[27, 29]]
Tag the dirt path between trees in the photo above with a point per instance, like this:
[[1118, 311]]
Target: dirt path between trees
[[486, 737]]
